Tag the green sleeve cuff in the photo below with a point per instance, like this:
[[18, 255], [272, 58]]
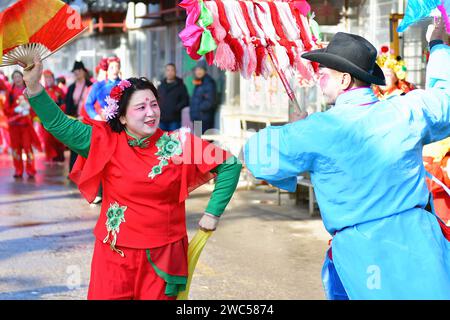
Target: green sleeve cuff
[[71, 132], [226, 182]]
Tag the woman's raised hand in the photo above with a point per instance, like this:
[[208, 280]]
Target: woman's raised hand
[[33, 76]]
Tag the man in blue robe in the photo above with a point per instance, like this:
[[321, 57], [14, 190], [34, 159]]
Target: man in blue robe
[[365, 161]]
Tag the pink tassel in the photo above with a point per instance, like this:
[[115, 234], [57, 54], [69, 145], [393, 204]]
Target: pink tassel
[[216, 28], [225, 59], [300, 65], [305, 73], [252, 62], [245, 62]]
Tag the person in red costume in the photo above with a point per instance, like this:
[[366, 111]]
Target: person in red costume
[[21, 131], [54, 150], [147, 174]]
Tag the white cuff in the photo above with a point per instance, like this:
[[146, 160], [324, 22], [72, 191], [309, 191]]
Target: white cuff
[[211, 215], [25, 92]]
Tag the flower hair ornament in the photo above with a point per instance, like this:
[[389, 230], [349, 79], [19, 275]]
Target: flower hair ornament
[[112, 101], [386, 59]]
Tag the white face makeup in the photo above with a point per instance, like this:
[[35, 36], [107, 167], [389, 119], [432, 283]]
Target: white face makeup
[[329, 84], [142, 115], [113, 70], [333, 83]]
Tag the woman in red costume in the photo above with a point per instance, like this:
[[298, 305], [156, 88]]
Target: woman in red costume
[[21, 131], [54, 150], [141, 241]]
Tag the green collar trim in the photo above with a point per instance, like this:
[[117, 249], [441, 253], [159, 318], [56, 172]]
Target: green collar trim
[[136, 142]]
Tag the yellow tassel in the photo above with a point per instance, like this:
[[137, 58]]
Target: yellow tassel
[[195, 248]]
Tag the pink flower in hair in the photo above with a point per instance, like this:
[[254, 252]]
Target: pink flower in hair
[[124, 84], [111, 109]]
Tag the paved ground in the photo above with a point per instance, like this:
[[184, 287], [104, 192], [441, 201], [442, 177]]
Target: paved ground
[[260, 250]]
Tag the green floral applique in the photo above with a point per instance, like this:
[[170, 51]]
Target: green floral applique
[[168, 146], [115, 216]]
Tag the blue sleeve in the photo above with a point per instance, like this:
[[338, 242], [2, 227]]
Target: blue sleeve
[[432, 105], [271, 154], [90, 102]]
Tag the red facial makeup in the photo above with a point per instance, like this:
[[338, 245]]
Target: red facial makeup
[[324, 78]]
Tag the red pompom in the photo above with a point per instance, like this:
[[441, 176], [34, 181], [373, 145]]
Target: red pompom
[[384, 49], [116, 93]]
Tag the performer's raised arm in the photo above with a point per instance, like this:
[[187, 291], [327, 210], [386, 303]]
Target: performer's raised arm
[[433, 103]]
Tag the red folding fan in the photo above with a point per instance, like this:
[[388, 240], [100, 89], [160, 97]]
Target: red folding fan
[[36, 27]]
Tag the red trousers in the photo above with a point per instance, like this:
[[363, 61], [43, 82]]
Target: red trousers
[[21, 141], [132, 277]]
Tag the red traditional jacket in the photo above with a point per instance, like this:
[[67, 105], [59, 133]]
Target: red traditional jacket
[[57, 95], [144, 188], [14, 98]]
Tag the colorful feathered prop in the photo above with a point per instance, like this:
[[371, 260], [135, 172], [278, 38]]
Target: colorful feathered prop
[[417, 10], [253, 37]]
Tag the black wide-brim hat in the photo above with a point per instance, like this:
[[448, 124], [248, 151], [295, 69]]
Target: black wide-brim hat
[[79, 65], [352, 54]]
